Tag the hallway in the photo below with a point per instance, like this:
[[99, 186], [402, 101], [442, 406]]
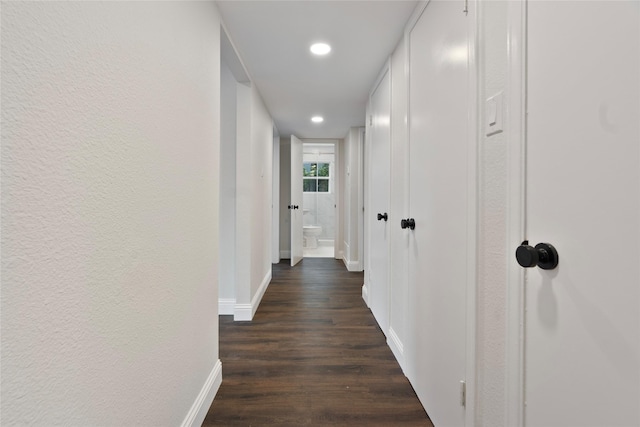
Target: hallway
[[313, 355]]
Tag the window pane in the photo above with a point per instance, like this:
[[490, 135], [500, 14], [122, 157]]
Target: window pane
[[309, 169], [323, 185], [323, 169], [309, 185]]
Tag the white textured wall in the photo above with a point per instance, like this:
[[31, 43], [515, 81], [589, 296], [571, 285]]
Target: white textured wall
[[351, 204], [110, 142], [275, 209], [346, 206], [492, 222], [262, 184], [340, 189], [254, 164], [244, 194], [227, 183]]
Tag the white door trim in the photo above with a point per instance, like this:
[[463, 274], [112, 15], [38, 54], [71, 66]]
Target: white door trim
[[383, 72], [473, 146], [413, 20], [516, 205], [338, 185]]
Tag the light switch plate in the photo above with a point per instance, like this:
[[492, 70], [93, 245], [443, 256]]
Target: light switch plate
[[493, 116]]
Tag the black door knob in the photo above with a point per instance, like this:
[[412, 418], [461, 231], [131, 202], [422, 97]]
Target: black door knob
[[296, 207], [408, 223], [383, 216], [289, 207], [544, 255]]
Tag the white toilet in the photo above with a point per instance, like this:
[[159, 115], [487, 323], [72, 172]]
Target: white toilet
[[311, 233]]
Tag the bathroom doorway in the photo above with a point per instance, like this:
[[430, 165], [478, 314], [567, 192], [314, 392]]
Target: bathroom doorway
[[319, 199]]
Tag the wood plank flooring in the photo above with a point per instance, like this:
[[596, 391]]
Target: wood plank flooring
[[313, 355]]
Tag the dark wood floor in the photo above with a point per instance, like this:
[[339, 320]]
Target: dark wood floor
[[313, 355]]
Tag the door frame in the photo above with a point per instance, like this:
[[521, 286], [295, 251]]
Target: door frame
[[338, 187], [473, 158], [516, 208]]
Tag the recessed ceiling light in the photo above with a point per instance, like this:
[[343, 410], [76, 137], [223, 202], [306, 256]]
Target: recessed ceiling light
[[320, 48], [317, 119]]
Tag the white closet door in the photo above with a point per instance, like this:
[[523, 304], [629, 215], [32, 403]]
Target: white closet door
[[582, 321], [439, 202], [379, 183]]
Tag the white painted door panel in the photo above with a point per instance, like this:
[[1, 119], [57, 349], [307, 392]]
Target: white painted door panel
[[296, 201], [379, 184], [582, 323], [438, 138]]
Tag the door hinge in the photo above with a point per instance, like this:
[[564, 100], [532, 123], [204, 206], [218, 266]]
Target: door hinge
[[370, 120], [466, 7], [463, 393]]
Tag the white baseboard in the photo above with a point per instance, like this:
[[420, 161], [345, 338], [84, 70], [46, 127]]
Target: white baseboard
[[245, 312], [226, 306], [365, 294], [285, 254], [396, 346], [203, 401], [352, 265], [257, 298], [242, 313]]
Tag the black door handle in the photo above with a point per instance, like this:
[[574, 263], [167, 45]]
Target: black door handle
[[292, 207], [544, 255], [383, 216], [408, 223]]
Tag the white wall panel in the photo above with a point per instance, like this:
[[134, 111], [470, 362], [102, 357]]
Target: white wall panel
[[110, 162], [259, 168], [227, 183], [353, 188]]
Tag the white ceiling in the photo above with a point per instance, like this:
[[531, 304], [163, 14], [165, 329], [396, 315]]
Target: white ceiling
[[273, 39]]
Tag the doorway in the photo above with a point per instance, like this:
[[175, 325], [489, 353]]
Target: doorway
[[319, 199]]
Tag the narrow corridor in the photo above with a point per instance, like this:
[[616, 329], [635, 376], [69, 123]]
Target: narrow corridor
[[313, 355]]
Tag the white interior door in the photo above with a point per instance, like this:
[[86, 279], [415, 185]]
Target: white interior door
[[295, 208], [379, 183], [439, 202], [582, 319]]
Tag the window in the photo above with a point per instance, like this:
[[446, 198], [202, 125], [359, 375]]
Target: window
[[315, 177]]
